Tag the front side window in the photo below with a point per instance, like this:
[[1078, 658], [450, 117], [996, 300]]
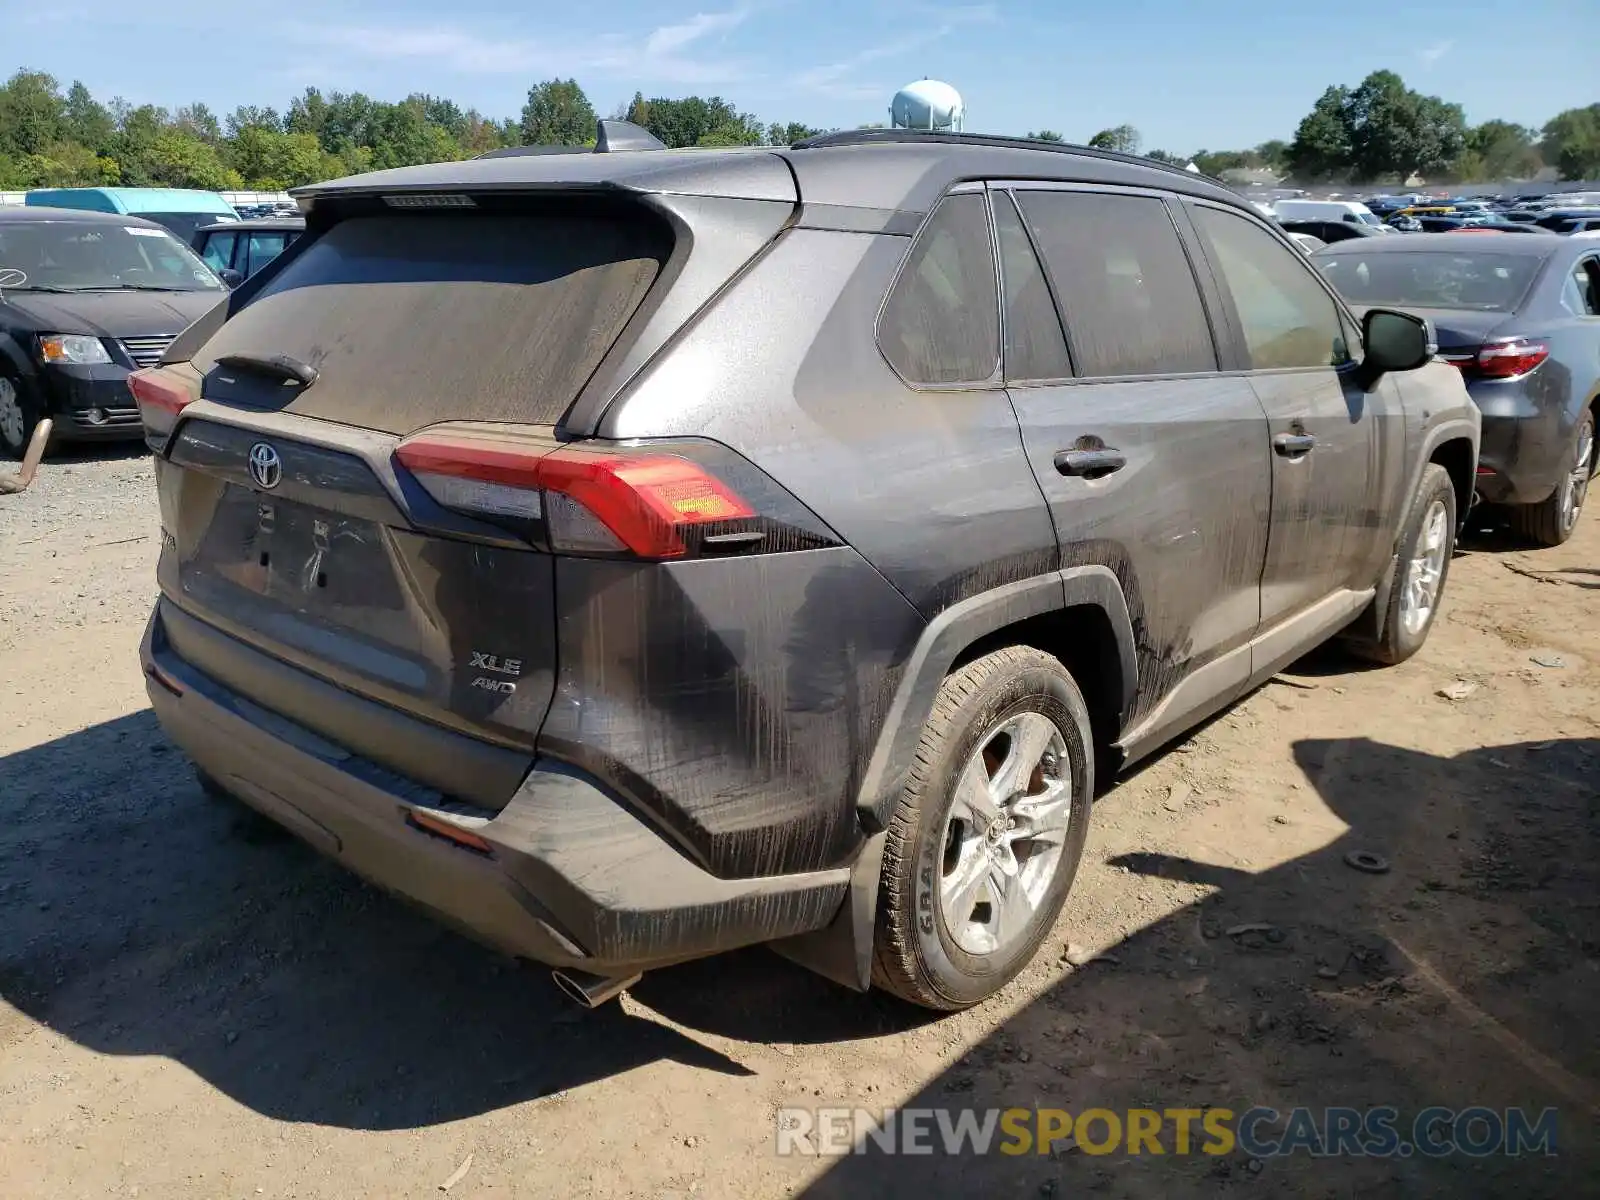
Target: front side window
[[1123, 283], [219, 251], [941, 323], [1287, 317], [264, 247]]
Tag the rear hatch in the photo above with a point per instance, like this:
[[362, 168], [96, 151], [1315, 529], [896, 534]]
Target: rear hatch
[[290, 526]]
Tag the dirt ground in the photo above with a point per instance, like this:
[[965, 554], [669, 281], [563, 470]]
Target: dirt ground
[[192, 1005]]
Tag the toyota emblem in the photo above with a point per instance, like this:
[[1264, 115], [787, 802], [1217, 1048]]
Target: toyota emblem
[[266, 468]]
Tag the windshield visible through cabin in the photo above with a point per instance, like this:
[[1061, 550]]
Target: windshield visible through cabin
[[70, 256]]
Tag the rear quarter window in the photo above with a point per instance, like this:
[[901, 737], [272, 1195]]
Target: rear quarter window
[[415, 318], [941, 322]]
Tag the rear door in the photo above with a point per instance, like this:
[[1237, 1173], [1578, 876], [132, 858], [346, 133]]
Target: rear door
[[1336, 448], [291, 529], [1153, 461]]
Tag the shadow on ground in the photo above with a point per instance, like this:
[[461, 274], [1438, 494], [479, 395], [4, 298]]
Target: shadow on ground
[[1465, 974], [143, 919]]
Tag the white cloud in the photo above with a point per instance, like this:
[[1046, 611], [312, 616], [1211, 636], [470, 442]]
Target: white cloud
[[665, 54], [671, 38], [837, 79], [1429, 55]]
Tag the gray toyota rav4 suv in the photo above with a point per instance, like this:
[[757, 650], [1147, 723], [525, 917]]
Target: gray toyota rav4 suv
[[633, 555]]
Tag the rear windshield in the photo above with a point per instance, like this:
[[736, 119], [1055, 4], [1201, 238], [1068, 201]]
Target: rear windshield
[[416, 318], [1430, 279]]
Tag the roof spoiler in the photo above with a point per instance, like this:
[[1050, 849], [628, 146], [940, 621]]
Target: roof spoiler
[[609, 137]]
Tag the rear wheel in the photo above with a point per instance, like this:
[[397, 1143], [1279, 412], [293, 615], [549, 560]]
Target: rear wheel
[[1426, 545], [17, 415], [985, 841], [1552, 520]]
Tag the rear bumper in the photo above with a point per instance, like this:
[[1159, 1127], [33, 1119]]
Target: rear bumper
[[572, 878], [1525, 438]]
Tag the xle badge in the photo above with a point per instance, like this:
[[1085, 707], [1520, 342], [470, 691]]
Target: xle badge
[[481, 661]]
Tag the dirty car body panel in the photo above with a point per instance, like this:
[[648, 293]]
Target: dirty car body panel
[[391, 618]]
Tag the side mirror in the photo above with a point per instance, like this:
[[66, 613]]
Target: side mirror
[[1395, 341], [230, 277]]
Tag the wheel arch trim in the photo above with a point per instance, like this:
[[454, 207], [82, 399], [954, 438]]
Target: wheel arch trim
[[955, 629]]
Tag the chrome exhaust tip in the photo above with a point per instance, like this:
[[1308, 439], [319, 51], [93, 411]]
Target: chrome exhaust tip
[[591, 991]]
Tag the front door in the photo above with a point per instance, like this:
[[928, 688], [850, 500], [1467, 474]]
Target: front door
[[1336, 448], [1154, 463]]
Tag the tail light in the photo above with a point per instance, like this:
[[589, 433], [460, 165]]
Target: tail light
[[652, 501], [1506, 359], [161, 394]]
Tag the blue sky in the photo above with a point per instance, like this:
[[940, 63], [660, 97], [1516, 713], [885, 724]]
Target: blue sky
[[1189, 74]]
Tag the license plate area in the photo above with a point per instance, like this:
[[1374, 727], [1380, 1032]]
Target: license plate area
[[301, 556]]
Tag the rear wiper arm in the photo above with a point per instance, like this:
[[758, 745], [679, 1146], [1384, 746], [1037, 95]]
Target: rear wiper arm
[[279, 365]]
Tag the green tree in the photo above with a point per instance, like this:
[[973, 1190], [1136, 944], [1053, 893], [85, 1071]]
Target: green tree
[[65, 164], [32, 113], [198, 121], [1161, 156], [1504, 150], [1321, 147], [1047, 135], [1273, 154], [790, 133], [557, 114], [1572, 142], [1396, 132], [179, 160], [686, 121], [273, 161], [1123, 138], [308, 112], [86, 121], [134, 144], [251, 116]]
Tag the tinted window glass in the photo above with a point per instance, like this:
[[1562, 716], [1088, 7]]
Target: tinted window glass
[[942, 321], [264, 247], [413, 319], [1287, 317], [1581, 295], [1123, 282], [1035, 347], [219, 250], [1430, 278]]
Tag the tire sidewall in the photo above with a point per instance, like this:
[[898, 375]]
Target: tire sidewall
[[1436, 485], [30, 416], [961, 977]]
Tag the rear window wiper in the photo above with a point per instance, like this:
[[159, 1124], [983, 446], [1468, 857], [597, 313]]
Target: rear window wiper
[[280, 366]]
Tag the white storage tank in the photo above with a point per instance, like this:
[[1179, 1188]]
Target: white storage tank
[[928, 104]]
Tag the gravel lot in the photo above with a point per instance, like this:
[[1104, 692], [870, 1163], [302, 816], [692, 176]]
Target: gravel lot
[[193, 1005]]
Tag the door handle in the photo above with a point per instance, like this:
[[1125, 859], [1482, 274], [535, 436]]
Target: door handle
[[1090, 464], [1294, 445]]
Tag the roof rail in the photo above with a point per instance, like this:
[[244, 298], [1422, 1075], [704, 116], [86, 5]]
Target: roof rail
[[609, 137], [873, 137]]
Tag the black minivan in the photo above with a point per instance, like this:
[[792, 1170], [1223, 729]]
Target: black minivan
[[86, 297]]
